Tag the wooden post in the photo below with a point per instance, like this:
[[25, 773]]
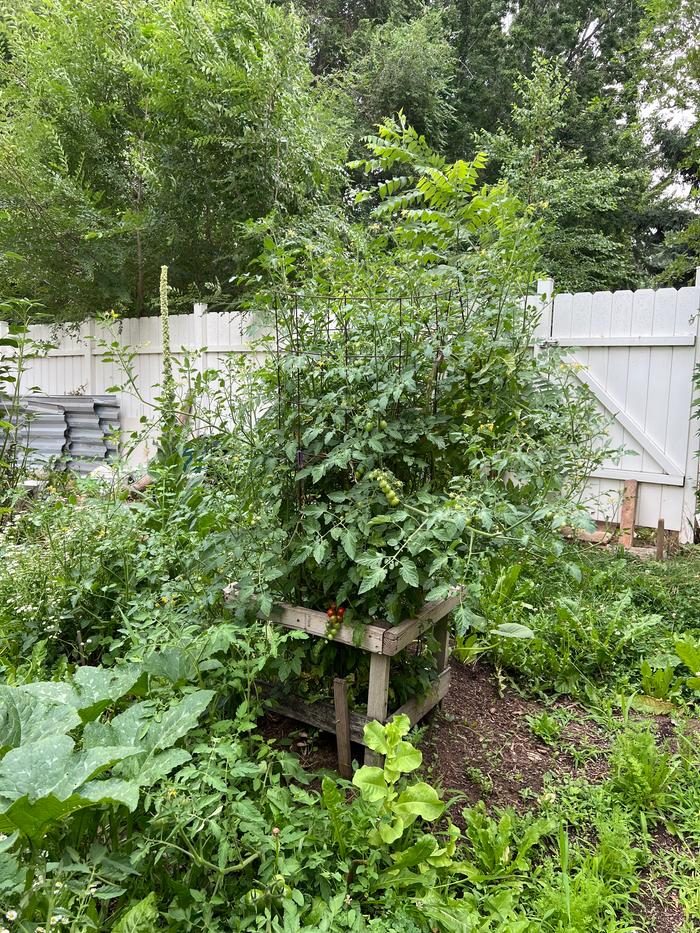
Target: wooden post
[[377, 698], [628, 513], [342, 726], [660, 540], [200, 333]]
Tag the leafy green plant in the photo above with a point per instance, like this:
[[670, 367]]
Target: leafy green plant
[[689, 653], [546, 727], [47, 776], [642, 773], [397, 810], [500, 847]]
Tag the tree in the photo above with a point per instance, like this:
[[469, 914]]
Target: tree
[[600, 50], [403, 65], [671, 82], [586, 239], [145, 132]]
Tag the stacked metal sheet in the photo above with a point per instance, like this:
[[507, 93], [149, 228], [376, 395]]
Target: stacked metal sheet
[[41, 431], [76, 432]]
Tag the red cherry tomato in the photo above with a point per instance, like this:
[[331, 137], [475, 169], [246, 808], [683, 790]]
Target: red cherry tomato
[[341, 612]]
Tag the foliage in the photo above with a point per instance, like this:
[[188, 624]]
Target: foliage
[[133, 134], [585, 207], [17, 350], [616, 63], [592, 618], [401, 438], [406, 66]]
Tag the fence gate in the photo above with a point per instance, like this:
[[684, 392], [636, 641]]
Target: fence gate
[[638, 352]]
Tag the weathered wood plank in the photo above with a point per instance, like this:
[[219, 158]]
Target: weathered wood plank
[[318, 714], [314, 622], [377, 697], [628, 513], [442, 635], [398, 637], [660, 540], [418, 707], [342, 726]]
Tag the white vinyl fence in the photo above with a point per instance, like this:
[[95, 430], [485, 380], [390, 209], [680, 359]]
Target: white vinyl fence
[[638, 352]]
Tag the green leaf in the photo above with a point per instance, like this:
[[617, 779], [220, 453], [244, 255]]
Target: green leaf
[[25, 718], [99, 687], [390, 832], [416, 854], [173, 664], [52, 766], [371, 783], [320, 550], [375, 737], [112, 790], [409, 572], [141, 918], [154, 768], [689, 655], [404, 758], [419, 800], [95, 688], [512, 630], [178, 720], [372, 580]]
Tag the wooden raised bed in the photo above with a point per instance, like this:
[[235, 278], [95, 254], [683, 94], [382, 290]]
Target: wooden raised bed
[[382, 643]]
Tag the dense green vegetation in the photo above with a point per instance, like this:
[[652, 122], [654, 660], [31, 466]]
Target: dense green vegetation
[[136, 134], [395, 438]]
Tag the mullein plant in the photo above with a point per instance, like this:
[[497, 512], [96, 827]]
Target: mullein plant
[[168, 398]]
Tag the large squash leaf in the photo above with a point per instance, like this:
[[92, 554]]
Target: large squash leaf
[[25, 718]]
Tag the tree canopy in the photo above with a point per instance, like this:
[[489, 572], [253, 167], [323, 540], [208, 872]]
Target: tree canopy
[[146, 132], [139, 133]]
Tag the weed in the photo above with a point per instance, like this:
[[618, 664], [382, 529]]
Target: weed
[[642, 772], [546, 727], [480, 778]]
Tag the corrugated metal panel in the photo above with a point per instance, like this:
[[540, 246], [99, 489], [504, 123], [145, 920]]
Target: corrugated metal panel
[[42, 433], [107, 408], [90, 423]]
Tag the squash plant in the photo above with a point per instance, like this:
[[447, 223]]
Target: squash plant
[[59, 756]]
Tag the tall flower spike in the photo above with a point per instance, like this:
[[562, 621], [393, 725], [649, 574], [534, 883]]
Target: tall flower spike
[[168, 378]]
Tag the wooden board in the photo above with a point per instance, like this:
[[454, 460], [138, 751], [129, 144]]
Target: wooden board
[[318, 714], [398, 637], [314, 622], [342, 726], [377, 639], [322, 715]]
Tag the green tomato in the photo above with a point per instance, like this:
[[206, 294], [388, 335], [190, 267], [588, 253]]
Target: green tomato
[[369, 426], [383, 425]]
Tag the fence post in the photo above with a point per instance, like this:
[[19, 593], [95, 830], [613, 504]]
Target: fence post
[[545, 291], [200, 332], [697, 275], [88, 335]]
